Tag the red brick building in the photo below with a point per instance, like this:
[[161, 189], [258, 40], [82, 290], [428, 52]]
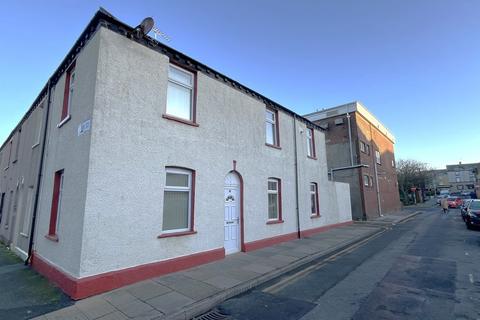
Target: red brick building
[[360, 152]]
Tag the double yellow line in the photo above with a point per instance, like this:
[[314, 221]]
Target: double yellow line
[[275, 288]]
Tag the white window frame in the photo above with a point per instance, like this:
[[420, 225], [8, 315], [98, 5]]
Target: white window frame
[[363, 147], [377, 157], [191, 88], [366, 182], [71, 89], [274, 125], [179, 189], [277, 183], [315, 194], [310, 146]]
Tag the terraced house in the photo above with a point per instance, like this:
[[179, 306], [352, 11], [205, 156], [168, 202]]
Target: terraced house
[[152, 162]]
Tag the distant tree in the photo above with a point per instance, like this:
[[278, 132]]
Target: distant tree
[[410, 173]]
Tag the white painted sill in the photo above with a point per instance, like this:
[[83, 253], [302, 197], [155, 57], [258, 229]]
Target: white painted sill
[[63, 121], [35, 145]]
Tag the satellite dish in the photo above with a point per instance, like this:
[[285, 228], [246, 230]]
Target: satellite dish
[[144, 27]]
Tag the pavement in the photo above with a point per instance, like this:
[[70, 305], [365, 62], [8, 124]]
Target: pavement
[[189, 293], [23, 292]]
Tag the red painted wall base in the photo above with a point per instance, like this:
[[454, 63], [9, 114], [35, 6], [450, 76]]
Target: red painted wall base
[[89, 286], [259, 244], [309, 232]]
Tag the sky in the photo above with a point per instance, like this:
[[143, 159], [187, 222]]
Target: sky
[[415, 64]]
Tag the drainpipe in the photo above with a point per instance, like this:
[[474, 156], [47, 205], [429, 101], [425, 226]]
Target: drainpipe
[[350, 138], [376, 178], [378, 189], [39, 178], [296, 174]]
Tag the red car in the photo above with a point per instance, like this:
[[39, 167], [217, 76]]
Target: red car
[[454, 202]]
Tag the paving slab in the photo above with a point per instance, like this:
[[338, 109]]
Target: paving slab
[[224, 282], [95, 308], [71, 312], [117, 315], [192, 288], [170, 302], [148, 289]]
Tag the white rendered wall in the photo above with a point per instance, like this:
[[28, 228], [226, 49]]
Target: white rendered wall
[[66, 150], [131, 144]]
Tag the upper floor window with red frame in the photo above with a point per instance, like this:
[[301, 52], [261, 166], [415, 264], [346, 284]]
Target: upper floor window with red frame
[[68, 93], [311, 143], [271, 125], [181, 94]]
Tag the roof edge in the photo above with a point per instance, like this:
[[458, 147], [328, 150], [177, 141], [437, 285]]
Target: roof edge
[[104, 18]]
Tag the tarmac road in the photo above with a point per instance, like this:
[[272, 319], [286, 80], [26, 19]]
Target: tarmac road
[[425, 268]]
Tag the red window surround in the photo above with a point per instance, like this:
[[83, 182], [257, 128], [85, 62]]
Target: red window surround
[[277, 130], [193, 121], [317, 214], [314, 151], [192, 208], [280, 218], [57, 183], [66, 92]]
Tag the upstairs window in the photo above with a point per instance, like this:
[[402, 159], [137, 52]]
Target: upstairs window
[[274, 199], [180, 94], [363, 147], [367, 148], [366, 180], [315, 211], [310, 143], [17, 146], [377, 157], [178, 200], [271, 126], [68, 93]]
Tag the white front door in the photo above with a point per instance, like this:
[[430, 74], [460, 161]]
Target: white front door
[[232, 216]]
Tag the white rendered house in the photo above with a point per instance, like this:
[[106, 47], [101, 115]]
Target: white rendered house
[[154, 163]]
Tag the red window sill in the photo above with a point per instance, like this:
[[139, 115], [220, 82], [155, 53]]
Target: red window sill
[[52, 237], [315, 216], [313, 158], [275, 221], [187, 122], [176, 234], [273, 146]]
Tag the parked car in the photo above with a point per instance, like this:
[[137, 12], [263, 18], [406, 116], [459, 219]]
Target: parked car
[[473, 214], [463, 208], [454, 202]]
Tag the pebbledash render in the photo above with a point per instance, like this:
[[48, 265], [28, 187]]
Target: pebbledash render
[[154, 162]]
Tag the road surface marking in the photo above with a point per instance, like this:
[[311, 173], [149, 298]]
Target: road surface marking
[[470, 277], [276, 287]]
